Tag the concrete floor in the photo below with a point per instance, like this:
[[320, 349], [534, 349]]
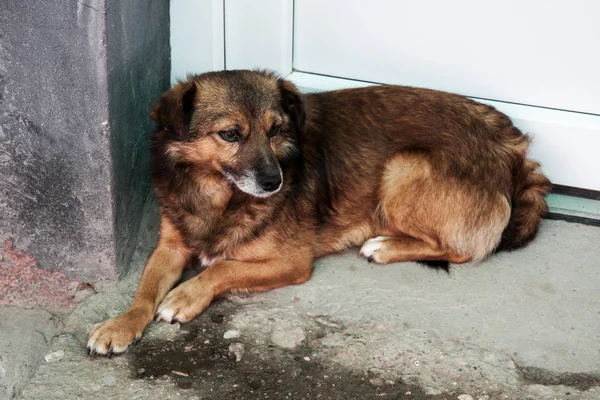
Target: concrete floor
[[522, 325]]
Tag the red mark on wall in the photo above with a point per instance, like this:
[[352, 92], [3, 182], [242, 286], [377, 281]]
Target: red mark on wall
[[24, 284]]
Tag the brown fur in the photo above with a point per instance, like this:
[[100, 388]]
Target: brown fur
[[436, 175]]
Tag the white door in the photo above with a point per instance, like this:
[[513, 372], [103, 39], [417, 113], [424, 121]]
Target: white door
[[536, 52], [535, 60]]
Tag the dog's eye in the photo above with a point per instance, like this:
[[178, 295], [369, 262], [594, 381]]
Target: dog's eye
[[231, 135], [275, 130]]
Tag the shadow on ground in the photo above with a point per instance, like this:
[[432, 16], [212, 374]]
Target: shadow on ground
[[201, 362]]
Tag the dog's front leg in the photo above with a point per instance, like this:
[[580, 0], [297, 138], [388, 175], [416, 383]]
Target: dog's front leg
[[190, 298], [162, 271]]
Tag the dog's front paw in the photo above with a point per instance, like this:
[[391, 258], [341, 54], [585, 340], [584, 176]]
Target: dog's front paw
[[114, 335], [184, 303]]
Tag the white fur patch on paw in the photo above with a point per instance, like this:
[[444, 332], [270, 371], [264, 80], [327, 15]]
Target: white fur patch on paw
[[371, 246], [165, 313]]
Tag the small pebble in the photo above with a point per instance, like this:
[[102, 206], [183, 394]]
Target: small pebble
[[236, 351], [306, 358], [287, 337], [231, 334], [465, 397], [54, 356]]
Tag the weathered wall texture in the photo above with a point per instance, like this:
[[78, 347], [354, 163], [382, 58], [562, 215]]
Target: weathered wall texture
[[139, 67], [77, 79]]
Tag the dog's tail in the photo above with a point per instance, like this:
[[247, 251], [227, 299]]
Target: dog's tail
[[528, 206], [437, 265]]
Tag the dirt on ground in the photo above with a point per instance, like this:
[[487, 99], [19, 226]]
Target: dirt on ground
[[200, 361]]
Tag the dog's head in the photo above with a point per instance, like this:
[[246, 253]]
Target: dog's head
[[243, 124]]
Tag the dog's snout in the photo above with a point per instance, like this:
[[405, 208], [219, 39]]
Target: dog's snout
[[268, 172], [270, 182]]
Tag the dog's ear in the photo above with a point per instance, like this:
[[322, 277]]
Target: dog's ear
[[173, 111], [293, 105]]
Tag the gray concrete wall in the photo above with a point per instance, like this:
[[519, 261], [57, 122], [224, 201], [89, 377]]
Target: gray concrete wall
[[77, 79]]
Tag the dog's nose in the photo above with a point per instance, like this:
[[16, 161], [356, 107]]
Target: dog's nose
[[269, 183]]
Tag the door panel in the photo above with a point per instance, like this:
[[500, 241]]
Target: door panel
[[536, 52], [565, 143]]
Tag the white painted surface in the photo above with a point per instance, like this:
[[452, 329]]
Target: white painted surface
[[536, 52], [533, 52], [566, 143], [197, 37], [258, 34]]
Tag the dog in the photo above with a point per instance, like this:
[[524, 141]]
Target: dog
[[257, 181]]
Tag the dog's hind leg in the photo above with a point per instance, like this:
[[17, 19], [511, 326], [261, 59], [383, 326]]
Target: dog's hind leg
[[389, 249], [432, 216]]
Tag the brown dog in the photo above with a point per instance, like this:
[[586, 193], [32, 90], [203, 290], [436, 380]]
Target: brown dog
[[257, 181]]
